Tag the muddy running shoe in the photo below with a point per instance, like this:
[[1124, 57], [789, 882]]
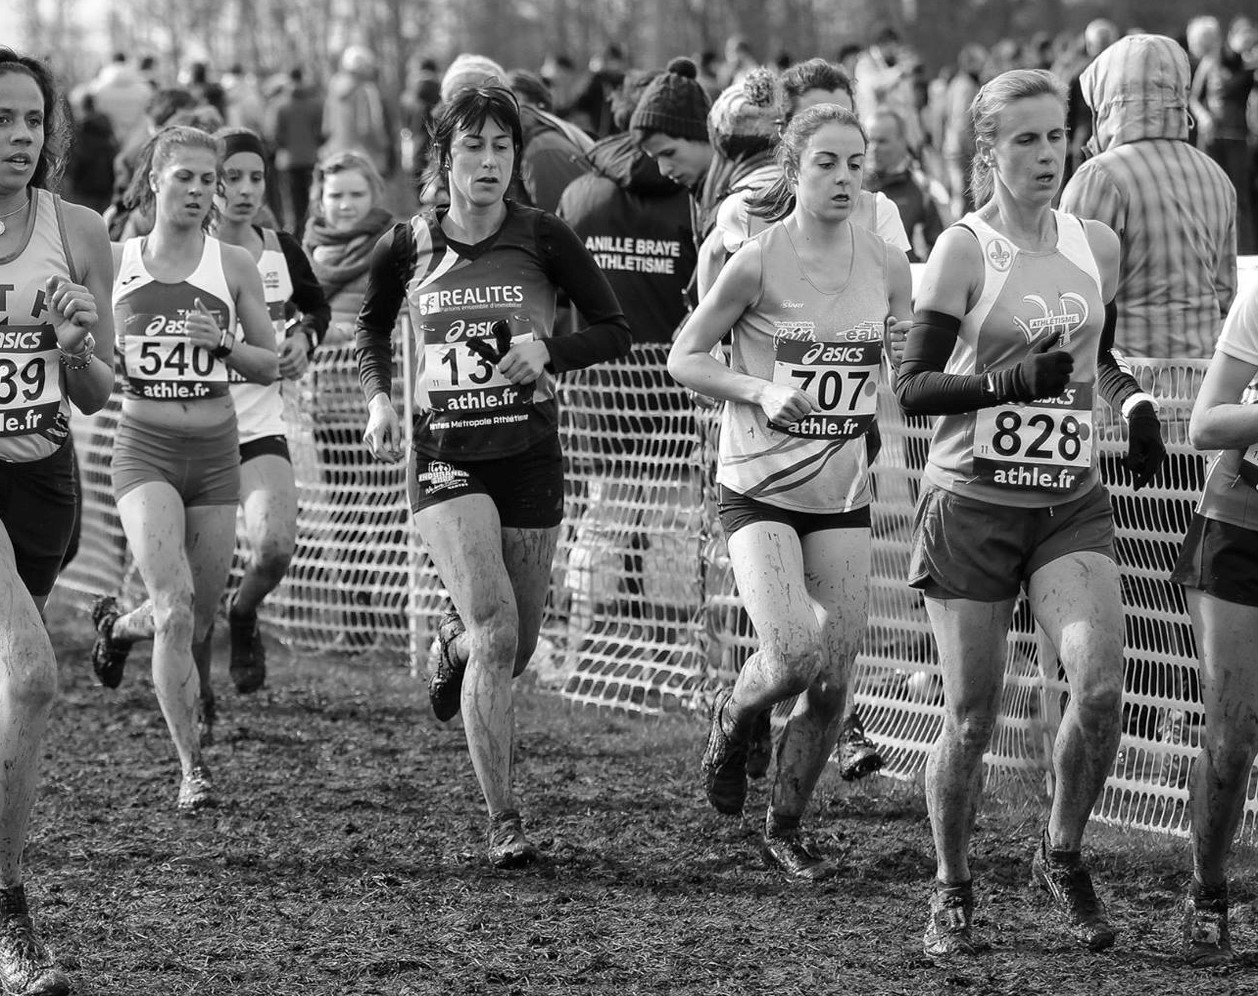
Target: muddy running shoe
[[949, 928], [109, 655], [760, 746], [1207, 940], [445, 686], [196, 791], [506, 845], [858, 755], [248, 656], [26, 967], [787, 852], [724, 763], [1061, 874]]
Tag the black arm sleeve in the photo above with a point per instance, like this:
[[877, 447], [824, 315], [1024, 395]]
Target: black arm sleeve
[[392, 260], [921, 384], [572, 269], [308, 296], [1114, 382]]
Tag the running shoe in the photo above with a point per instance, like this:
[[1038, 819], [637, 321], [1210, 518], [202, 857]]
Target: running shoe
[[724, 763], [26, 967], [445, 686], [858, 755], [109, 654], [1207, 940], [248, 657], [1069, 885], [196, 791], [788, 853], [760, 746], [505, 843], [949, 928]]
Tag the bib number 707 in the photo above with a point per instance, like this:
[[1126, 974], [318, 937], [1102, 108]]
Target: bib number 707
[[829, 386]]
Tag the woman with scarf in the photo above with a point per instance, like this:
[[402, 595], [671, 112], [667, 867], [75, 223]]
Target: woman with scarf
[[347, 218]]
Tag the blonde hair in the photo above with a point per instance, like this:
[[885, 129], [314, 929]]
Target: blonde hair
[[342, 162], [992, 98], [156, 153]]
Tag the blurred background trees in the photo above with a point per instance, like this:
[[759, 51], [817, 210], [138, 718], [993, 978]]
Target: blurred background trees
[[267, 36]]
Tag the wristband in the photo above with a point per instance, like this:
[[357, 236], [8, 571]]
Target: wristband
[[83, 358], [1139, 399]]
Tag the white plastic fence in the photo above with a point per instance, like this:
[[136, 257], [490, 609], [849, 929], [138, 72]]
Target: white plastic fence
[[643, 616]]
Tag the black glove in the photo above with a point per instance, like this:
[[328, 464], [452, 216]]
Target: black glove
[[1043, 374], [502, 337], [1145, 450]]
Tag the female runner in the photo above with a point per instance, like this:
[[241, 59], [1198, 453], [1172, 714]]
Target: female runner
[[1217, 566], [808, 301], [486, 478], [1011, 341], [178, 296], [56, 340], [268, 492]]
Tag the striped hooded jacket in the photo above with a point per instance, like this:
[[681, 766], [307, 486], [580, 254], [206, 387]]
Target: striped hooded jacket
[[1173, 207]]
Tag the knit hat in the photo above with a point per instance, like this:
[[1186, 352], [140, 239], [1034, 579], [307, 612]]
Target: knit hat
[[674, 104], [746, 114], [470, 70]]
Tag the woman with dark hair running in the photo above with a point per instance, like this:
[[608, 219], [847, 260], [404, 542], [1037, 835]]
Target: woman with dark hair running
[[268, 490], [178, 297], [1011, 342], [56, 340], [486, 476], [807, 301]]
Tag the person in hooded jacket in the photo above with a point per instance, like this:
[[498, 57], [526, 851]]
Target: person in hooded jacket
[[1172, 206], [1174, 210]]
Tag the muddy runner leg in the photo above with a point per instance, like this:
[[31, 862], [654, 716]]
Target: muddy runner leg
[[464, 538], [28, 686], [268, 496], [153, 519], [836, 566], [1227, 634], [1077, 601], [971, 640]]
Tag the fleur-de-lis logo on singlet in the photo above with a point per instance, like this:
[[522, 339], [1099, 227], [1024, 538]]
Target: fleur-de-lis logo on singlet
[[1073, 313], [999, 254]]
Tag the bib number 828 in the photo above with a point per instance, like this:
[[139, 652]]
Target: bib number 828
[[1050, 439]]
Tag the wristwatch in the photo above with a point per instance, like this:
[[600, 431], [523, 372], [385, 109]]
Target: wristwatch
[[225, 344]]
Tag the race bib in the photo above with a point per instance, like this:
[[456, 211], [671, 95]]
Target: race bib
[[1046, 445], [840, 377], [30, 386], [461, 380], [170, 367]]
